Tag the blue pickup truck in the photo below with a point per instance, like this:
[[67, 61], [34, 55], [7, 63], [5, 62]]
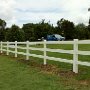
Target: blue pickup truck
[[54, 37]]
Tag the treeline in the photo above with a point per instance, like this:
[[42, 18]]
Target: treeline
[[33, 32]]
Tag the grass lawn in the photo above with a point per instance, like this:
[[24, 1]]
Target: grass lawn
[[19, 74]]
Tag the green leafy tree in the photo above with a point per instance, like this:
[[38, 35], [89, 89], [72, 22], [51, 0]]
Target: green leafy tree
[[15, 34], [29, 31], [2, 36], [81, 31], [33, 32], [2, 24], [2, 29], [44, 28], [67, 28], [88, 28]]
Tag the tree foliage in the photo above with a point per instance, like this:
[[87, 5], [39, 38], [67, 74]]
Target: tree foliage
[[2, 29], [67, 28], [15, 34], [33, 32]]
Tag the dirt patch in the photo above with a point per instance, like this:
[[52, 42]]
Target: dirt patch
[[84, 82], [46, 68], [2, 53], [68, 75], [50, 69]]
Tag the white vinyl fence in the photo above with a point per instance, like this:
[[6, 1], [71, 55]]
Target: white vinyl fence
[[5, 47]]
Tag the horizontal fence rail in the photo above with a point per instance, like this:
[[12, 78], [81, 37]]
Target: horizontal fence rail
[[7, 46]]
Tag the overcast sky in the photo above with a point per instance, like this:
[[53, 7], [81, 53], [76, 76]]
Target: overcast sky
[[25, 11]]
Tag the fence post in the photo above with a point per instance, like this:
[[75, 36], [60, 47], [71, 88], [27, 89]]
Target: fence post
[[75, 56], [45, 52], [7, 48], [15, 48], [27, 50], [1, 47]]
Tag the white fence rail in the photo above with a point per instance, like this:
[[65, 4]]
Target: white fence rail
[[5, 47]]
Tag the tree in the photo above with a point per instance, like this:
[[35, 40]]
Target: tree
[[2, 36], [88, 27], [29, 31], [67, 28], [2, 24], [2, 29], [43, 29], [33, 32], [81, 31], [14, 34]]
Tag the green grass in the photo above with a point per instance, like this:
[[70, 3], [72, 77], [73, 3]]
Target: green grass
[[18, 75]]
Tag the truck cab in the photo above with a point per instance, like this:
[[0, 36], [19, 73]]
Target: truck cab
[[55, 37]]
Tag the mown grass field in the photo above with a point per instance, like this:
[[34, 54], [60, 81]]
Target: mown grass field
[[19, 74]]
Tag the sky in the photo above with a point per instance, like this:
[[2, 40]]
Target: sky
[[20, 12]]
